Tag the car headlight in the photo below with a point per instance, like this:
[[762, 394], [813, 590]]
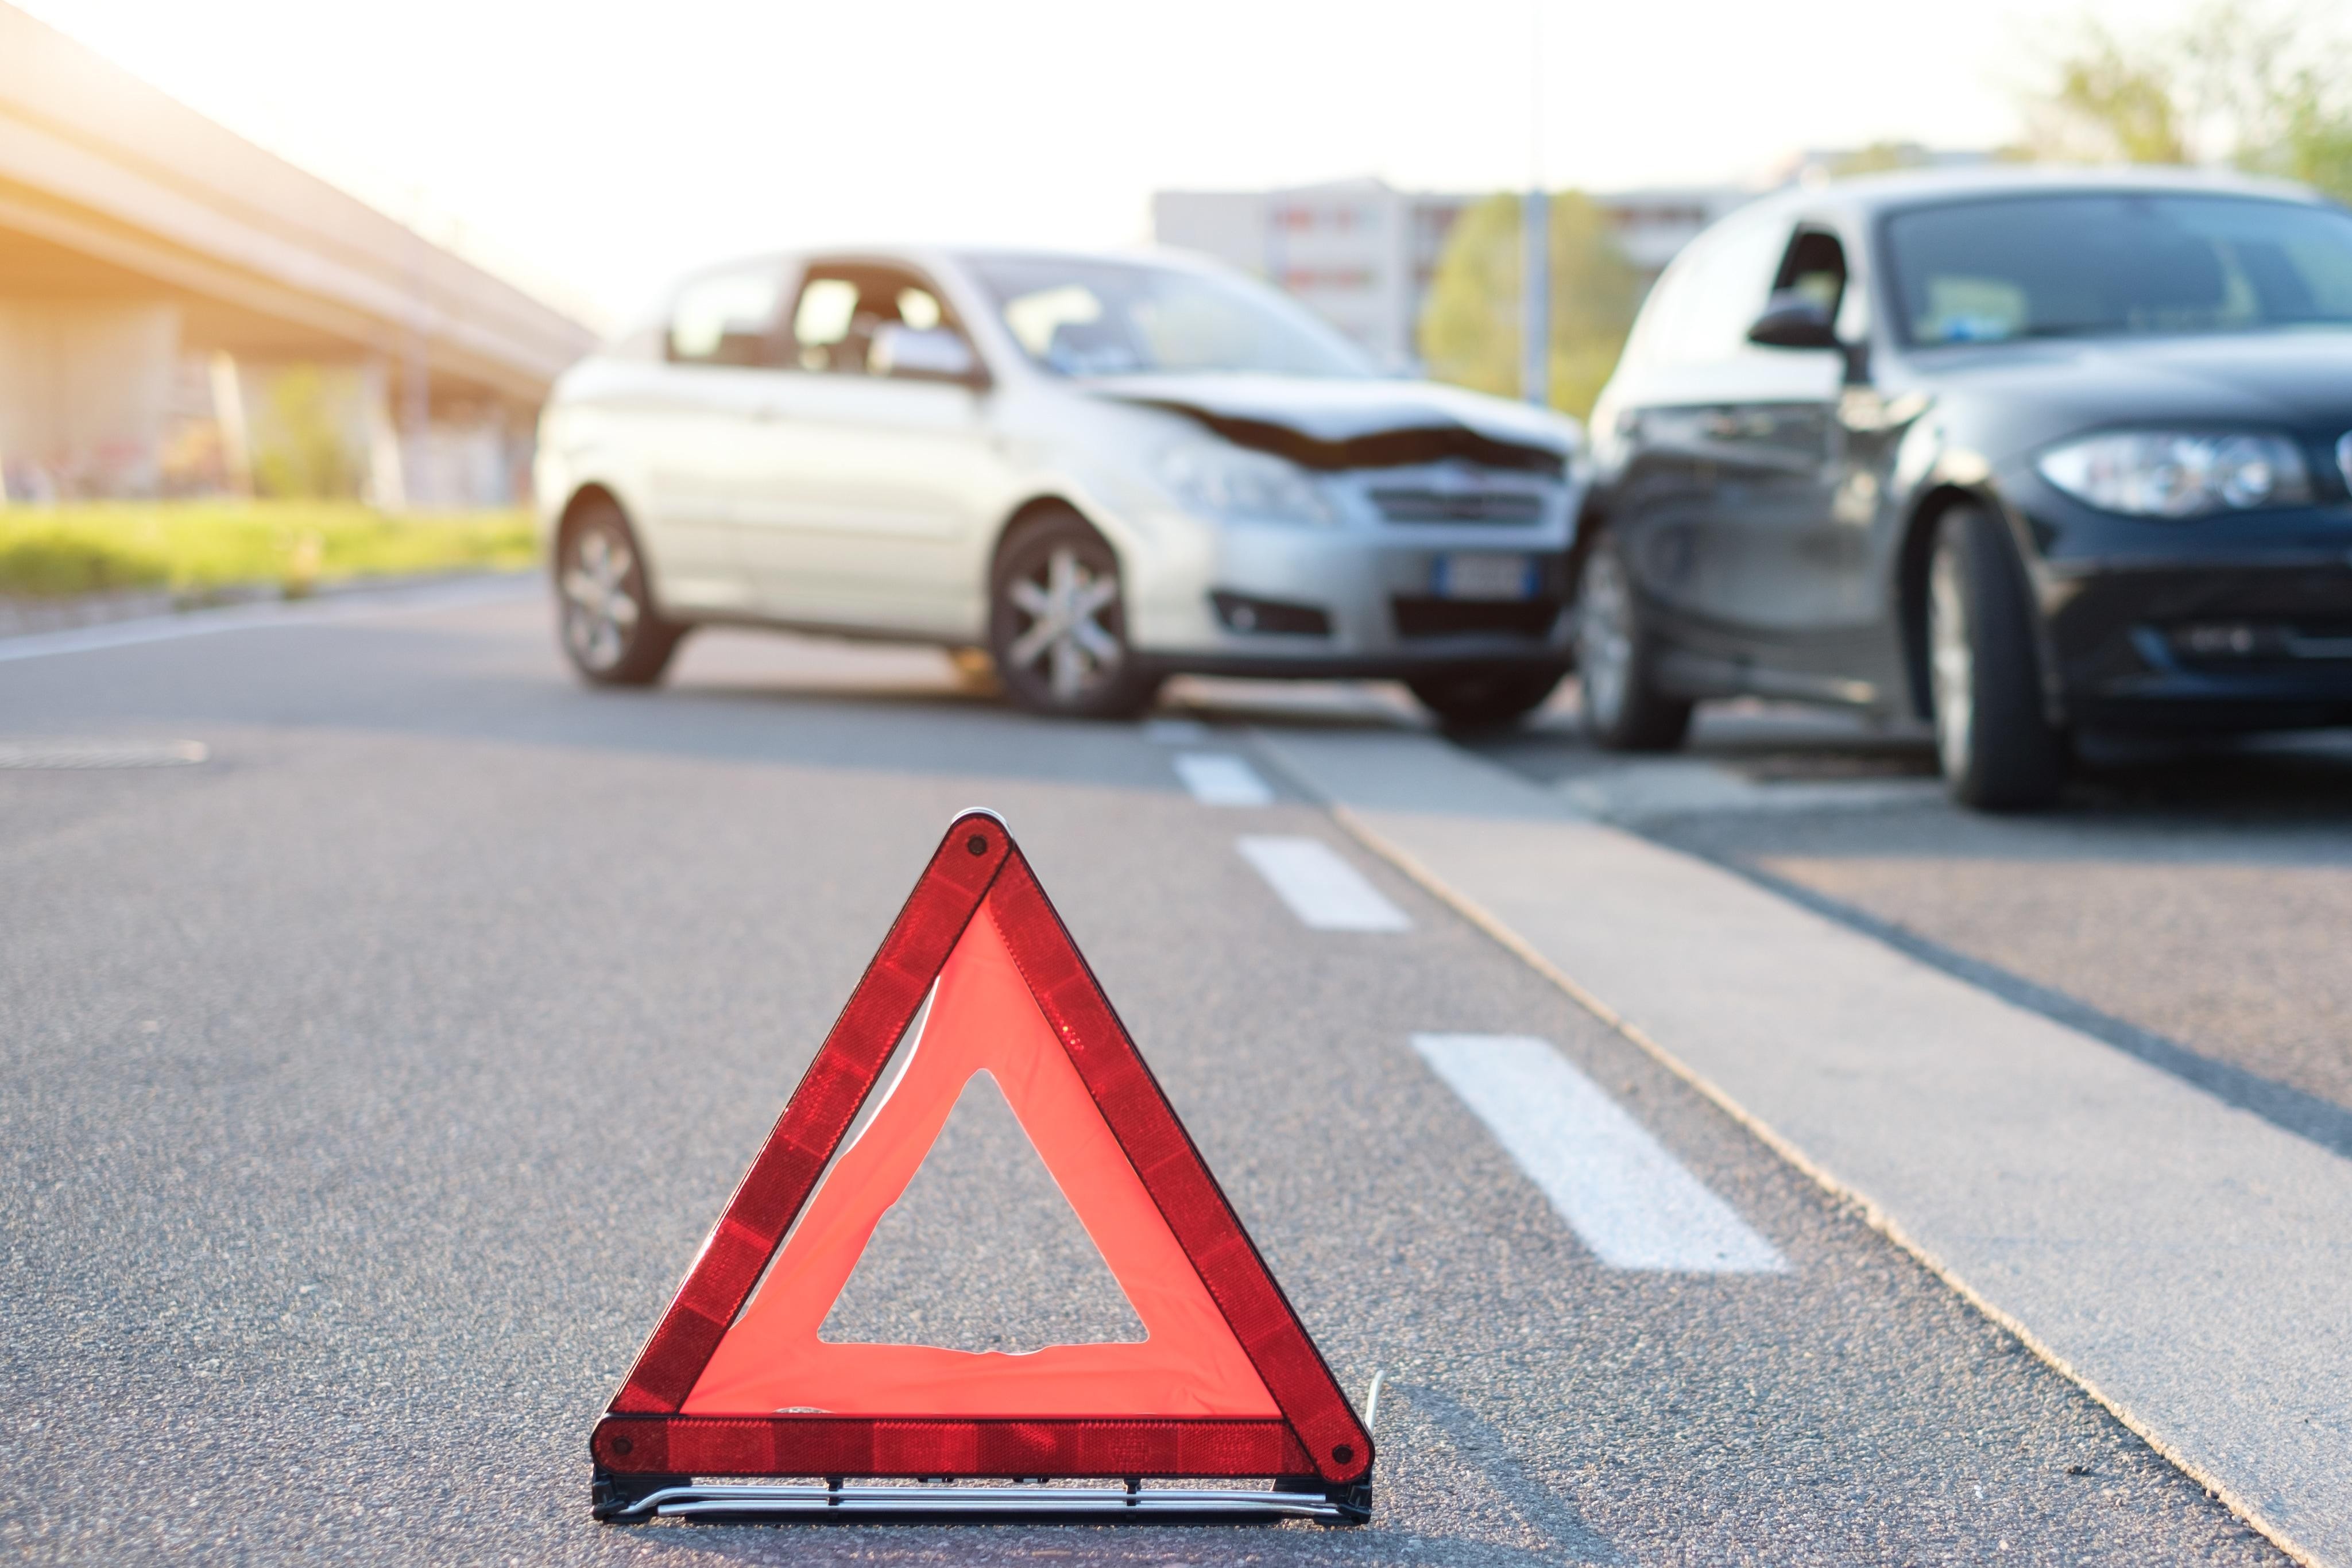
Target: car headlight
[[1232, 482], [2162, 474]]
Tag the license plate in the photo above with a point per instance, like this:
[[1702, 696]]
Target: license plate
[[1484, 577]]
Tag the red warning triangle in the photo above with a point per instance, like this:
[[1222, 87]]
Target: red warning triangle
[[736, 1380]]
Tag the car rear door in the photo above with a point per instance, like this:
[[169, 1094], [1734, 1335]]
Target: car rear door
[[869, 488], [722, 336]]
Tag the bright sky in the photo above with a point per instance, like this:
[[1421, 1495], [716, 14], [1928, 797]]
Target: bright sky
[[607, 147]]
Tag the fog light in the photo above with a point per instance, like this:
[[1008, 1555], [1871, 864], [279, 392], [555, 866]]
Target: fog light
[[2230, 639], [1240, 612]]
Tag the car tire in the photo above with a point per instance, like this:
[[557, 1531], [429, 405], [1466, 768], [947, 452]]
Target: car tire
[[605, 616], [1057, 623], [1469, 701], [1616, 659], [1993, 737]]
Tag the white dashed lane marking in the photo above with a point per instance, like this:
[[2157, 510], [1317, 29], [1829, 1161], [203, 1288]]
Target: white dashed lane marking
[[1626, 1198], [1321, 888], [1221, 778]]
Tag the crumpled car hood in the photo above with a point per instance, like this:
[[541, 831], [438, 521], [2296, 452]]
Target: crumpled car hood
[[1319, 423]]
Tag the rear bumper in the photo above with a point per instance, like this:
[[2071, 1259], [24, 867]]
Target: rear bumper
[[2246, 644]]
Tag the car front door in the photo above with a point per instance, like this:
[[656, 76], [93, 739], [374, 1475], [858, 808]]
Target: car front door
[[1716, 432], [873, 476], [1771, 561]]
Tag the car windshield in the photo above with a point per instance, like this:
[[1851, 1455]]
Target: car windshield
[[1081, 317], [2069, 266]]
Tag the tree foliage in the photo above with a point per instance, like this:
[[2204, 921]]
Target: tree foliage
[[2242, 81], [1470, 332], [303, 450]]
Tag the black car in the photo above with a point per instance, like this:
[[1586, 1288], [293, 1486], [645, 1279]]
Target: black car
[[2023, 452]]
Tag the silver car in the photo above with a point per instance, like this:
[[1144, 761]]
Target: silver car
[[1103, 470]]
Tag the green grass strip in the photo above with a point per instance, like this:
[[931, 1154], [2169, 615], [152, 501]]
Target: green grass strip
[[55, 552]]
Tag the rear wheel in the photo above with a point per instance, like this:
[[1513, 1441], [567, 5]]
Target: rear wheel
[[1484, 699], [1996, 743], [1616, 655], [1057, 623], [610, 631]]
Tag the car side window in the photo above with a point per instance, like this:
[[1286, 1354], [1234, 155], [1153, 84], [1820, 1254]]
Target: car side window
[[843, 305], [726, 319], [1724, 292]]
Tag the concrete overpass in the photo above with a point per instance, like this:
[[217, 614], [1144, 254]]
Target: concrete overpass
[[159, 275]]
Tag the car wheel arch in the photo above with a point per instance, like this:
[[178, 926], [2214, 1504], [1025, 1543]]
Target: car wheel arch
[[1036, 509], [1591, 523], [1912, 563], [591, 494]]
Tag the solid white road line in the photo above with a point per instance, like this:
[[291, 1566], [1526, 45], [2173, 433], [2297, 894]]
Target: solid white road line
[[1625, 1198], [1322, 889], [1221, 778]]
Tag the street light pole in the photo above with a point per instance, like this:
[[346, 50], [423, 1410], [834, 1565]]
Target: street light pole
[[1535, 379], [1535, 222]]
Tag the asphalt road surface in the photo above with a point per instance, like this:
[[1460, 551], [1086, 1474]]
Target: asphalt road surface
[[371, 1081]]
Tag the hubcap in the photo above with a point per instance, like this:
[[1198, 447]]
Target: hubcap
[[1951, 663], [600, 610], [1604, 637], [1065, 638]]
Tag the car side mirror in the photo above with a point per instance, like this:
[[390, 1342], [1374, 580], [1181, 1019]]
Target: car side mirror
[[1793, 320], [922, 353]]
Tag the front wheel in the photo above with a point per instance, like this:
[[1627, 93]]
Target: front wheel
[[610, 632], [1996, 743], [1616, 657], [1057, 624], [1473, 700]]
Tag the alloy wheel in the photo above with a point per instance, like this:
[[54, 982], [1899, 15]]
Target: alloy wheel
[[1065, 639], [1951, 663], [1604, 637], [601, 608]]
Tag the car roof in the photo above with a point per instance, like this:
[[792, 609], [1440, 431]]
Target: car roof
[[1866, 194]]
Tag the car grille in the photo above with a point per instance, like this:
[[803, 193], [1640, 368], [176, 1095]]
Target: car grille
[[1403, 505]]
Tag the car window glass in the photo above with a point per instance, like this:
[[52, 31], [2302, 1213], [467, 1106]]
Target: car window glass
[[841, 307], [2096, 264], [918, 308], [1081, 317], [1723, 295], [1036, 317], [827, 306], [727, 319]]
